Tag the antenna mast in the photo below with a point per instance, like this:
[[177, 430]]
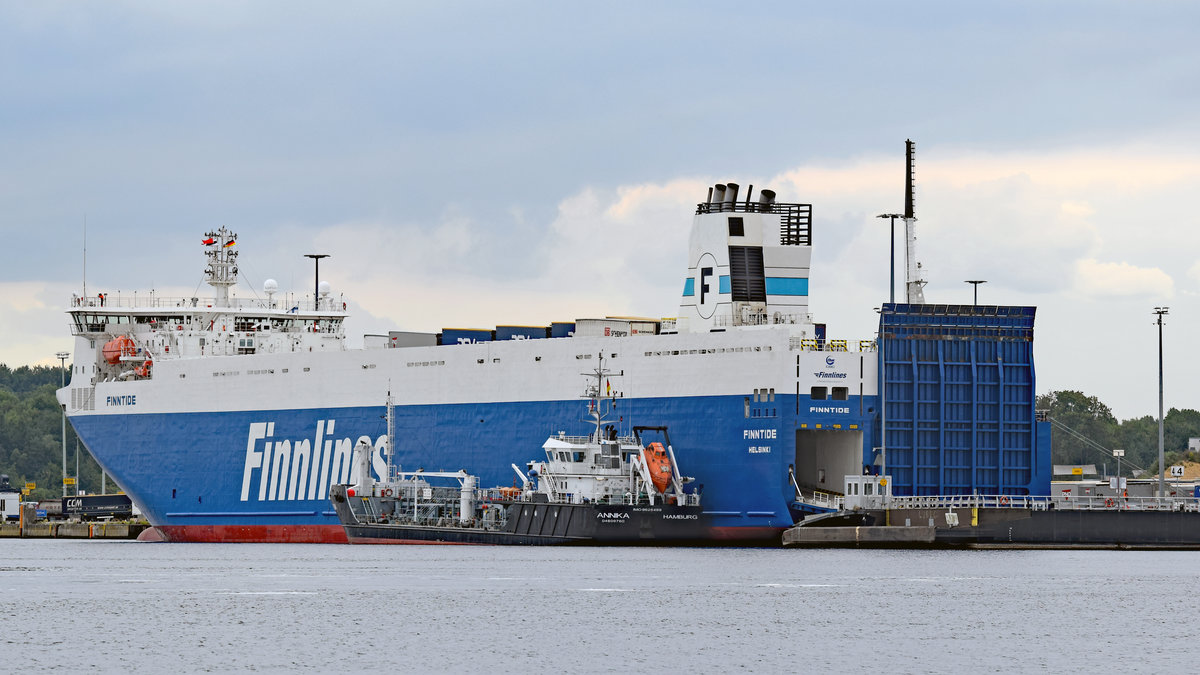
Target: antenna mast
[[913, 283], [222, 263]]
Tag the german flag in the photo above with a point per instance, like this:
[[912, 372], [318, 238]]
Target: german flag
[[229, 243]]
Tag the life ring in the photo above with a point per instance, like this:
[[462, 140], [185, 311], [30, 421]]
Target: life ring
[[1003, 501], [387, 492], [1108, 502]]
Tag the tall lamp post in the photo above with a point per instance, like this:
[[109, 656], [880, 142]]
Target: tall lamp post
[[316, 258], [1162, 468], [975, 283], [892, 259], [62, 362]]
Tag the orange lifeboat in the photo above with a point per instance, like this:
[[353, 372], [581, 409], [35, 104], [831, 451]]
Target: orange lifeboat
[[117, 347], [659, 464]]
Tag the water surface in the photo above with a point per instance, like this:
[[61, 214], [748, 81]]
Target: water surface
[[136, 607]]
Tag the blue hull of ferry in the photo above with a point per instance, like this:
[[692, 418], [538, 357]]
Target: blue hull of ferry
[[199, 476]]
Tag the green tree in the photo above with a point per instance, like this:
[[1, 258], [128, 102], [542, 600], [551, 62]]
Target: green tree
[[1088, 419], [1139, 438], [31, 433]]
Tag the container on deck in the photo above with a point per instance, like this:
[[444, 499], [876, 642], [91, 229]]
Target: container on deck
[[521, 332], [466, 336]]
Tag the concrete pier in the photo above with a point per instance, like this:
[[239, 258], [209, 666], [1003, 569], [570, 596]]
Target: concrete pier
[[67, 530], [864, 536]]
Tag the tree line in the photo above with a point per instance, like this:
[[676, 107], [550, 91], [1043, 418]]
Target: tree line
[[31, 434], [1097, 433]]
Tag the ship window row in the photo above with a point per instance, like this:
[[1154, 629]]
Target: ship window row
[[235, 373], [421, 364], [830, 393], [718, 350], [764, 395]]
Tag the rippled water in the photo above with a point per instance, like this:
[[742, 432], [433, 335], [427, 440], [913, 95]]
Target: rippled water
[[133, 607]]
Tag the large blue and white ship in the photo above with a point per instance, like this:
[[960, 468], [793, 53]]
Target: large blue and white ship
[[228, 419]]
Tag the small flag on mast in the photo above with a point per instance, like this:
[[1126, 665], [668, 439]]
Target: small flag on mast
[[209, 242], [229, 243]]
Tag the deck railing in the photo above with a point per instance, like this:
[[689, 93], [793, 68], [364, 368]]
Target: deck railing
[[1042, 503]]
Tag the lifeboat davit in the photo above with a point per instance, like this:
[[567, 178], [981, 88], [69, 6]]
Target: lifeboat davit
[[117, 347], [144, 369], [659, 464]]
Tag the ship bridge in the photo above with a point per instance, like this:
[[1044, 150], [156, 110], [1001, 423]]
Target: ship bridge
[[119, 338]]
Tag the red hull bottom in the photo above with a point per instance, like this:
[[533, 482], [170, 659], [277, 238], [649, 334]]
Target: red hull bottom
[[334, 534], [747, 536], [255, 534]]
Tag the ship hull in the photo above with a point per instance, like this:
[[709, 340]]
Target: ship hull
[[539, 523], [207, 452]]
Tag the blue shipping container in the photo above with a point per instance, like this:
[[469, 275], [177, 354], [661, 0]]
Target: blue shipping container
[[560, 329], [520, 332], [465, 336]]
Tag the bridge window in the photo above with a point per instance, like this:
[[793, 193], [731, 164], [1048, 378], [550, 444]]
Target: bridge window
[[818, 393], [841, 393], [736, 227]]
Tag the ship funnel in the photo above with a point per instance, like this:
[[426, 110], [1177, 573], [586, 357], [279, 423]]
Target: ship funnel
[[718, 194], [731, 190], [766, 200]]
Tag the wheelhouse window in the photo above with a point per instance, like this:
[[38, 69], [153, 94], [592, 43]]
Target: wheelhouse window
[[737, 228]]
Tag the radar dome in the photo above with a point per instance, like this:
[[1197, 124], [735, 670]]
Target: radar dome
[[323, 288], [270, 286]]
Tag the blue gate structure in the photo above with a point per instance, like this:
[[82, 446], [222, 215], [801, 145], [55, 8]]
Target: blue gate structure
[[957, 385]]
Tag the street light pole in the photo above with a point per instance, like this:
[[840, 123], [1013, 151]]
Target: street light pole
[[975, 283], [1162, 462], [62, 373], [892, 258]]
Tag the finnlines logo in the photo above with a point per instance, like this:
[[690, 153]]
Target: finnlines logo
[[302, 469], [823, 375]]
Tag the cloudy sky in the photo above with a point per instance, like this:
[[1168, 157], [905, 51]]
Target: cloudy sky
[[474, 163]]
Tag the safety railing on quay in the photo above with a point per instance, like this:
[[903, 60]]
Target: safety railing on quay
[[1042, 503]]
